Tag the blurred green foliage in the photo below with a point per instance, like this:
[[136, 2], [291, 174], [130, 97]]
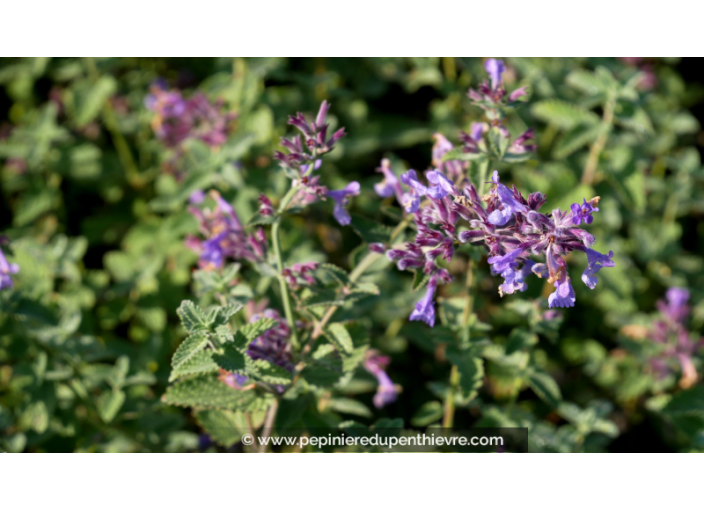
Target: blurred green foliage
[[97, 221]]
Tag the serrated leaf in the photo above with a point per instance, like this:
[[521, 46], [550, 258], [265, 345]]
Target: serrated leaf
[[231, 359], [562, 114], [223, 334], [270, 373], [109, 404], [221, 425], [428, 413], [206, 391], [339, 337], [546, 388], [256, 329], [370, 231], [192, 317], [575, 139], [201, 363], [225, 313], [189, 347], [339, 274]]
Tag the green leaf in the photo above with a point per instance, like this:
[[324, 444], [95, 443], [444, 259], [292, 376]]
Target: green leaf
[[349, 406], [562, 114], [339, 337], [200, 363], [321, 374], [518, 339], [575, 139], [220, 425], [109, 404], [587, 82], [95, 99], [256, 329], [203, 392], [370, 231], [231, 359], [270, 373], [321, 297], [546, 388], [688, 403], [192, 317], [428, 413], [471, 368], [458, 154], [225, 313], [189, 347], [419, 279], [258, 219], [337, 273]]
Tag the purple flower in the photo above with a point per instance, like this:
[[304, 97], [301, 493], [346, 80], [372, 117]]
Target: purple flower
[[6, 269], [517, 93], [316, 166], [425, 309], [272, 345], [265, 207], [176, 118], [500, 263], [583, 213], [341, 198], [299, 274], [386, 391], [514, 279], [508, 202], [224, 236], [234, 381], [411, 200], [197, 197], [563, 297], [676, 307], [495, 68], [443, 185], [596, 261], [390, 185]]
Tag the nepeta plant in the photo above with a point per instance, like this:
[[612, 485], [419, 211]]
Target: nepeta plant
[[273, 354]]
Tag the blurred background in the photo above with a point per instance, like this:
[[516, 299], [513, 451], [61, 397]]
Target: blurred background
[[93, 208]]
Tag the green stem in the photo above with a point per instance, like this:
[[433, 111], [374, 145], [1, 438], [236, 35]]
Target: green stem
[[600, 143], [285, 298], [358, 271], [449, 414]]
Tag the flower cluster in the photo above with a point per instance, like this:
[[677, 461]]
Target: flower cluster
[[299, 274], [303, 159], [494, 92], [675, 342], [224, 234], [177, 118], [6, 269], [508, 224], [386, 392], [492, 98]]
